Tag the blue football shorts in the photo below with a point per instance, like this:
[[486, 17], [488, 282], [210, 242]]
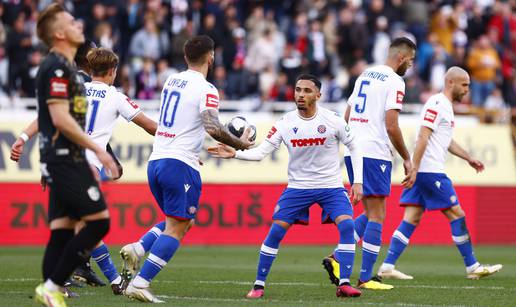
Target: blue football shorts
[[432, 191], [294, 204], [376, 176], [176, 186]]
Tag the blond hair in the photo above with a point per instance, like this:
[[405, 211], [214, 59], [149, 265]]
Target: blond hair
[[101, 60]]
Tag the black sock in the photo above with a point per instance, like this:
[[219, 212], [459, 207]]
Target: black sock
[[258, 287], [79, 249], [55, 246]]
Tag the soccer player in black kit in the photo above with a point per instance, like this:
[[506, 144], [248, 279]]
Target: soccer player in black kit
[[74, 192]]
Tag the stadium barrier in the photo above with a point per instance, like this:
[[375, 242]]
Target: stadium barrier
[[241, 214], [238, 197]]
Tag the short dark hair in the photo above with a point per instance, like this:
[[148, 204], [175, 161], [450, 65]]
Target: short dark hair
[[197, 47], [310, 78], [403, 42], [80, 57], [45, 23]]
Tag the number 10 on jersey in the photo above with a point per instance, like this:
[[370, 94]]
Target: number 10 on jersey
[[168, 114]]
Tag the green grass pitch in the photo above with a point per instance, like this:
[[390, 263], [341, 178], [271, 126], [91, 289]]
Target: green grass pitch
[[221, 276]]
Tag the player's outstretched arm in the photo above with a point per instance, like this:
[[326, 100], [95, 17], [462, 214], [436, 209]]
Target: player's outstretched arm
[[457, 150], [65, 123], [212, 125], [421, 143], [146, 123], [254, 154], [396, 137], [27, 134]]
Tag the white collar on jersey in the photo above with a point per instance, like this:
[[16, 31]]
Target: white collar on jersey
[[308, 118]]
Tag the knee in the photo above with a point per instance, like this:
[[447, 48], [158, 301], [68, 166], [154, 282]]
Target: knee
[[346, 226], [99, 227]]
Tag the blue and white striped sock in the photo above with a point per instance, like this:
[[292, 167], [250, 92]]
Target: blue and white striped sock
[[160, 254], [370, 249], [460, 236], [345, 253], [148, 239], [400, 240], [268, 253], [103, 259]]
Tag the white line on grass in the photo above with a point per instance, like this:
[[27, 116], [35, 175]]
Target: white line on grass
[[207, 299]]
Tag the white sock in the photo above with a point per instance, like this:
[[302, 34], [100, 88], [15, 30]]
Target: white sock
[[386, 267], [117, 280], [472, 267], [140, 282], [138, 248], [51, 286]]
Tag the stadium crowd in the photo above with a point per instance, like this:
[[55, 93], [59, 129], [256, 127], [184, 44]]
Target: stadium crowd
[[262, 45]]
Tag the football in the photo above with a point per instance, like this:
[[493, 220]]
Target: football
[[237, 126]]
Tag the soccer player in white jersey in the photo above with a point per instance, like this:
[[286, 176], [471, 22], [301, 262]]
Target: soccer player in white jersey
[[372, 113], [106, 104], [428, 187], [189, 108], [312, 135]]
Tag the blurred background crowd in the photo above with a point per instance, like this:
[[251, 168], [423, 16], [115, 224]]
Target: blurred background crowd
[[262, 45]]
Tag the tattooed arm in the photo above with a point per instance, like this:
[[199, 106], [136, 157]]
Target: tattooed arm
[[210, 120]]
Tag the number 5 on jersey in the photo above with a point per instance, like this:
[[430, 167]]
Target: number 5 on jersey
[[363, 95]]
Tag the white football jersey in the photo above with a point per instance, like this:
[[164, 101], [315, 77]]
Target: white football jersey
[[313, 146], [437, 114], [377, 90], [105, 104], [181, 133]]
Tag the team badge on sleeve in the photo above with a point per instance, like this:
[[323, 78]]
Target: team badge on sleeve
[[132, 103], [212, 101], [430, 116]]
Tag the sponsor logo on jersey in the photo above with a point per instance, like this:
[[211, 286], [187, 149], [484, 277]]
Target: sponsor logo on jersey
[[399, 97], [430, 116], [358, 119], [307, 142], [295, 130], [80, 104], [438, 184], [212, 101], [166, 134], [187, 187], [321, 129], [383, 167], [58, 87], [271, 132]]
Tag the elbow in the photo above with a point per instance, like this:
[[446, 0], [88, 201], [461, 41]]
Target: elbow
[[392, 129], [58, 123]]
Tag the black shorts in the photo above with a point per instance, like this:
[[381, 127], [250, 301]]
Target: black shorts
[[74, 192]]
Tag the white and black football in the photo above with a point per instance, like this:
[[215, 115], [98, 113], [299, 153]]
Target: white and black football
[[237, 126]]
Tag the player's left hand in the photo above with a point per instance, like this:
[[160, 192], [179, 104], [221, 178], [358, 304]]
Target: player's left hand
[[17, 150], [477, 165], [357, 193]]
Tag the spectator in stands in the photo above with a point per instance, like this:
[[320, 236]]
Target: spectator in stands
[[353, 38], [317, 57], [281, 90], [146, 42], [146, 80], [19, 45], [482, 62], [444, 23]]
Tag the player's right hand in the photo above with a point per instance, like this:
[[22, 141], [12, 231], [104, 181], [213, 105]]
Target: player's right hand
[[357, 193], [222, 151], [407, 166], [17, 149], [247, 143], [409, 180], [109, 163]]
